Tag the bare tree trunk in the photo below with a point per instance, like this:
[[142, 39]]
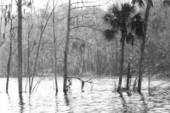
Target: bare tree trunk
[[117, 55], [36, 60], [9, 59], [128, 77], [149, 85], [42, 29], [67, 49], [28, 60], [28, 65], [20, 46], [121, 62], [141, 60], [28, 54], [55, 51]]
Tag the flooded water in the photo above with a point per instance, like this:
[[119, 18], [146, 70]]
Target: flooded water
[[98, 98]]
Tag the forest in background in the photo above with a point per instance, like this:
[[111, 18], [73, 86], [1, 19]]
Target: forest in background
[[89, 51]]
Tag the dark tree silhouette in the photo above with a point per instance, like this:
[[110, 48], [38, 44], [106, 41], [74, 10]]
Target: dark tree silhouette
[[66, 49], [20, 46], [127, 21], [141, 60]]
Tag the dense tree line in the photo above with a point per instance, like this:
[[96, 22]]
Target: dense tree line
[[54, 39]]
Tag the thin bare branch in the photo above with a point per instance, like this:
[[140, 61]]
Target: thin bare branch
[[90, 6], [83, 26]]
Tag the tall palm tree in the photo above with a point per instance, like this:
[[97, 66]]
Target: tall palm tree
[[126, 20], [141, 60]]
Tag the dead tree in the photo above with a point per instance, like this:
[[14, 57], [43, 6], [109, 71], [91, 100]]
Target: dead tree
[[67, 48], [19, 4], [68, 37], [9, 59], [42, 29]]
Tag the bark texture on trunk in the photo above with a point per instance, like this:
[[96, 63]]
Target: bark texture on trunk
[[55, 51], [20, 46], [66, 49], [128, 77], [121, 61], [9, 59], [141, 60]]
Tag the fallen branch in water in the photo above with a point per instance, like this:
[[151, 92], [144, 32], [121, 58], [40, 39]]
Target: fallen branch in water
[[82, 82], [38, 83], [73, 77], [87, 81]]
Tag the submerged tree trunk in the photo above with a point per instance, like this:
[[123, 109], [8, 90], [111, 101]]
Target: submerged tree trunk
[[28, 60], [36, 60], [20, 46], [128, 77], [66, 49], [9, 59], [121, 61], [29, 52], [28, 65], [141, 60], [55, 51]]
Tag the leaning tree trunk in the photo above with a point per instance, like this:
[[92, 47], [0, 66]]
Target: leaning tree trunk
[[55, 51], [20, 46], [9, 59], [42, 29], [66, 49], [121, 61], [28, 53], [28, 59], [141, 60]]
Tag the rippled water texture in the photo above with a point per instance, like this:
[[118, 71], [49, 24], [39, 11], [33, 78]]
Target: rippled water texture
[[97, 99]]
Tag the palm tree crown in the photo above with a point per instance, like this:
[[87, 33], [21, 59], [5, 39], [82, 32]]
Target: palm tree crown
[[126, 19]]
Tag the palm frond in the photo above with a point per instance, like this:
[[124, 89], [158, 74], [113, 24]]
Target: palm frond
[[137, 17], [139, 2], [115, 10], [108, 17], [127, 10], [140, 29], [151, 2], [115, 23], [110, 34], [137, 25], [130, 39]]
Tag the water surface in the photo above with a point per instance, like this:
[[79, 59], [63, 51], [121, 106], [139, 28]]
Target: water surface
[[97, 98]]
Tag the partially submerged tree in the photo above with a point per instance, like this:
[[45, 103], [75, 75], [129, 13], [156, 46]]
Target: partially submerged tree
[[67, 49], [55, 50], [141, 60], [126, 20], [19, 45], [70, 17], [10, 48]]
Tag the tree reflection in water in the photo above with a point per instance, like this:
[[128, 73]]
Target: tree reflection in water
[[123, 103], [56, 101], [145, 106], [66, 98], [21, 103], [67, 102]]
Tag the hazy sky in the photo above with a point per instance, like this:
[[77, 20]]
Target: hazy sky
[[41, 3]]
